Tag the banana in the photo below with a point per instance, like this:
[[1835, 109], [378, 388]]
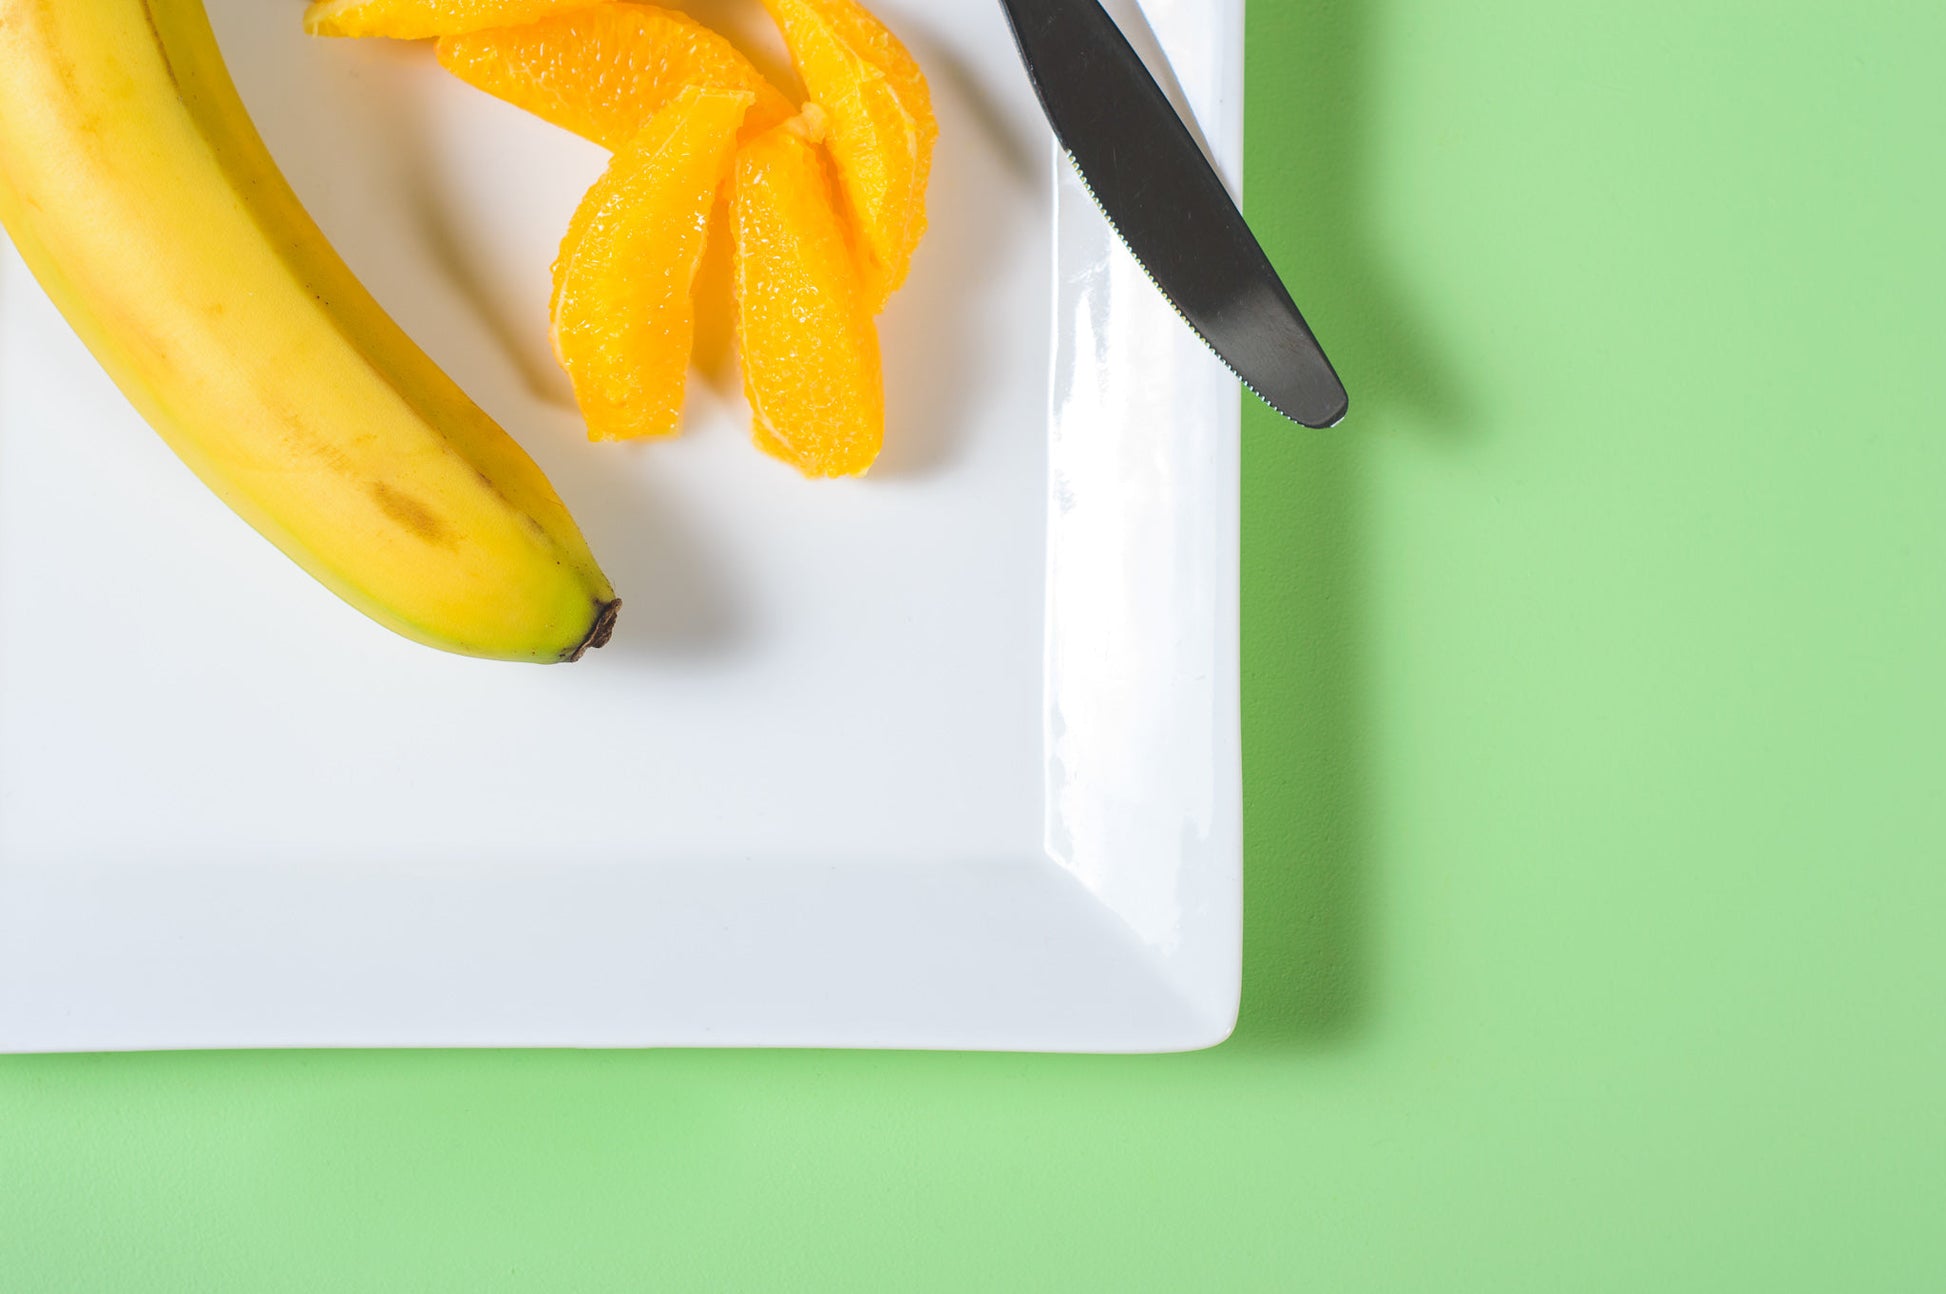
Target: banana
[[140, 195]]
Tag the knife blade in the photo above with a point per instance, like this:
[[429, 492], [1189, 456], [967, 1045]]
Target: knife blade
[[1163, 198]]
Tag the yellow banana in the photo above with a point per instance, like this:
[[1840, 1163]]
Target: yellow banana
[[140, 195]]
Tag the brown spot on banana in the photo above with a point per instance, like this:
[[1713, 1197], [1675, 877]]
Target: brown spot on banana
[[162, 47], [412, 514]]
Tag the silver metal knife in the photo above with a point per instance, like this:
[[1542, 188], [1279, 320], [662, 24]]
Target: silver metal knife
[[1151, 180]]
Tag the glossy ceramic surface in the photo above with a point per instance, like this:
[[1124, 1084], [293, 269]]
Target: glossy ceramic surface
[[944, 759]]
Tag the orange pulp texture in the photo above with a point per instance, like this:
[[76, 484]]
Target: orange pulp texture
[[804, 324], [603, 72], [624, 315], [882, 127], [418, 19]]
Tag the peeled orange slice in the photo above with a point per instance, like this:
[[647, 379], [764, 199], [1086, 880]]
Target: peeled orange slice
[[882, 127], [804, 323], [624, 319], [602, 72], [418, 19]]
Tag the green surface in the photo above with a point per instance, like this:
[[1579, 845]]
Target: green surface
[[1598, 857]]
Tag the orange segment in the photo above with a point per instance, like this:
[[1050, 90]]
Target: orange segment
[[603, 72], [418, 19], [715, 297], [882, 126], [624, 321], [804, 324]]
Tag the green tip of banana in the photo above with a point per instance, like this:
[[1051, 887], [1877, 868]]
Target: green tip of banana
[[598, 635]]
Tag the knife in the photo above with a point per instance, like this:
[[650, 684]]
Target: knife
[[1161, 195]]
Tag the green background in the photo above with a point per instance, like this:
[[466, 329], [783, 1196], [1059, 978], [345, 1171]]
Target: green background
[[1597, 857]]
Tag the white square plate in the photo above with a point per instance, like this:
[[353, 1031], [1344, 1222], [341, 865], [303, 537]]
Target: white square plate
[[944, 759]]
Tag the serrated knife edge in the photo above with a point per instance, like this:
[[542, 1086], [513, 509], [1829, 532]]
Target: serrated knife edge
[[1143, 168]]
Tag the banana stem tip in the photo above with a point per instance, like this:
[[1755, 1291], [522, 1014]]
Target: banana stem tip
[[600, 632]]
